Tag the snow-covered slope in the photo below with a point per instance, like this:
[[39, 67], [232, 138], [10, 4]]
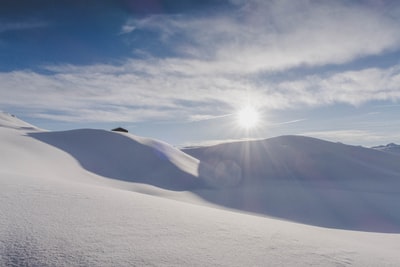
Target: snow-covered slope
[[391, 148], [306, 180], [56, 209], [11, 121], [127, 157], [302, 159]]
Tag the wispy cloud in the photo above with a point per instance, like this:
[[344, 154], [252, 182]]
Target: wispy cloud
[[141, 90], [223, 60], [353, 87], [18, 26], [127, 28], [277, 35], [287, 122], [208, 117]]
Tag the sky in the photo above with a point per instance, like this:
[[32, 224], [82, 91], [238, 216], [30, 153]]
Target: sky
[[180, 71]]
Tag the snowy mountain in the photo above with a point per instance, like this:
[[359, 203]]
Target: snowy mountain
[[97, 198], [300, 159], [391, 148], [306, 180]]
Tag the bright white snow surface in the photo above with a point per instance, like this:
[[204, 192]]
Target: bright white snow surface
[[98, 198]]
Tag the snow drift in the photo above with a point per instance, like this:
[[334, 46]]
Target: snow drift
[[127, 157], [57, 208]]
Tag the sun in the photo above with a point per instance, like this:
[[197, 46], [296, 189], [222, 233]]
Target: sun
[[248, 117]]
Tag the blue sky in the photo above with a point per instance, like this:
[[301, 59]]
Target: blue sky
[[179, 70]]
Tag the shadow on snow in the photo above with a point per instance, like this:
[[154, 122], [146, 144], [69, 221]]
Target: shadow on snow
[[294, 178]]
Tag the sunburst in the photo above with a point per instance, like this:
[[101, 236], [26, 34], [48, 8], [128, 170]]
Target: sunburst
[[248, 117]]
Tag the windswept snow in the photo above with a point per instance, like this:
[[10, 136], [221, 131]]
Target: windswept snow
[[74, 199]]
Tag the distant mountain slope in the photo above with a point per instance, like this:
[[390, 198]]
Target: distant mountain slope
[[127, 157], [391, 148], [306, 180], [300, 159]]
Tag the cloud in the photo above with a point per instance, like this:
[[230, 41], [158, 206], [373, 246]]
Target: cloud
[[277, 35], [127, 28], [352, 87], [208, 117], [223, 60], [18, 26], [143, 90], [138, 94], [287, 122]]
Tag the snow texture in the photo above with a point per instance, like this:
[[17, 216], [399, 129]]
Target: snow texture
[[98, 198]]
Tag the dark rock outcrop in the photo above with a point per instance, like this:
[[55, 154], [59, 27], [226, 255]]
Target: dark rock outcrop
[[120, 129]]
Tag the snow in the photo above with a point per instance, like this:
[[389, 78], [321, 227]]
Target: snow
[[11, 121], [127, 157], [390, 148], [308, 180], [59, 209]]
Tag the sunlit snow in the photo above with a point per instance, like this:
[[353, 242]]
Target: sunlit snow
[[98, 198]]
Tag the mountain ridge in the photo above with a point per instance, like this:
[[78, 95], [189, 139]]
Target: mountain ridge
[[390, 148], [293, 156]]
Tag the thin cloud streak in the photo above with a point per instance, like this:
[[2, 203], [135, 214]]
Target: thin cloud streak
[[209, 117], [287, 122], [18, 26]]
